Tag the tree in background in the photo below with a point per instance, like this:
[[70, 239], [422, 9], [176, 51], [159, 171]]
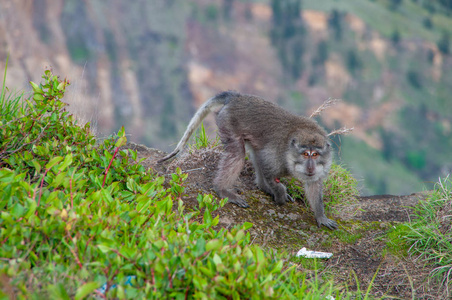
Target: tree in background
[[444, 43], [288, 35], [335, 20], [227, 9], [395, 4]]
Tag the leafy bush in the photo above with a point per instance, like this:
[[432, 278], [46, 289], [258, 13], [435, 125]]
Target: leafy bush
[[80, 219]]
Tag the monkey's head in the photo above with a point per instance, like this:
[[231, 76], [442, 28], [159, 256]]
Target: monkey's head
[[309, 156]]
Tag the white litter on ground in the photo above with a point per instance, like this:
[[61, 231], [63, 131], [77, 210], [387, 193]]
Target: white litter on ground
[[313, 254]]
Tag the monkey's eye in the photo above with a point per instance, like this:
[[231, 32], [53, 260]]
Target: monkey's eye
[[315, 154], [305, 154]]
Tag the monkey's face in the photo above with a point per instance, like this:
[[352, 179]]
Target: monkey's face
[[309, 162]]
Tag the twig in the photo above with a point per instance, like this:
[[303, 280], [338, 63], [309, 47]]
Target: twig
[[40, 189], [328, 103], [109, 165], [187, 171], [70, 191], [343, 130], [6, 153], [74, 252]]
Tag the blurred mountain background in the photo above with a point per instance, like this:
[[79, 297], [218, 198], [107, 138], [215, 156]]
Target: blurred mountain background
[[147, 65]]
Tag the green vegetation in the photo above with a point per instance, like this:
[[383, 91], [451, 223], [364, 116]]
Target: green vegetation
[[80, 219], [202, 139], [9, 102], [429, 234], [340, 187]]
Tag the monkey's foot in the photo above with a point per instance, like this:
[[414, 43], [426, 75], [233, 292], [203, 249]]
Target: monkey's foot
[[330, 224], [240, 202], [289, 198], [233, 198]]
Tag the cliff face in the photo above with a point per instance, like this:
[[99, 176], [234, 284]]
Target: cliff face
[[123, 62], [147, 65]]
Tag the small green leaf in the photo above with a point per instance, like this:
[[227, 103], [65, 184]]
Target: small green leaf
[[216, 220], [104, 248], [17, 210], [247, 225], [207, 217], [85, 290], [67, 161], [53, 117], [107, 195], [133, 154], [213, 244], [38, 97], [61, 86], [53, 162], [7, 175], [120, 292], [36, 88], [58, 291], [259, 254], [122, 141], [31, 207], [200, 247], [6, 216], [36, 165]]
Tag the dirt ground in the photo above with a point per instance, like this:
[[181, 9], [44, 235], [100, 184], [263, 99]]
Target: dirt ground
[[358, 246]]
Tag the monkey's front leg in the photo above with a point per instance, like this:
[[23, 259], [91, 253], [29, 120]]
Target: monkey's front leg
[[314, 194]]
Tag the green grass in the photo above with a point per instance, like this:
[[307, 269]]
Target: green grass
[[202, 139], [429, 234], [9, 102], [396, 240]]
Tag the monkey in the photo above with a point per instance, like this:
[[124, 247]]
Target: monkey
[[279, 143]]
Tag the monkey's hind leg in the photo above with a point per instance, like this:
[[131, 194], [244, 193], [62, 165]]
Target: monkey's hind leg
[[230, 166]]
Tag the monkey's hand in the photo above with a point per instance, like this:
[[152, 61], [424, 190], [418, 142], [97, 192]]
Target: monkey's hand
[[327, 223], [289, 198]]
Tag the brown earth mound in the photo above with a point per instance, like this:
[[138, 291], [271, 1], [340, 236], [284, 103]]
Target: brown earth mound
[[358, 246]]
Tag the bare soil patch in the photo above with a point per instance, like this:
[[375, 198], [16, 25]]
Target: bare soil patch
[[358, 246]]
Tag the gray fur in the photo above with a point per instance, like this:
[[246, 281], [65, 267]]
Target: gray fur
[[276, 141]]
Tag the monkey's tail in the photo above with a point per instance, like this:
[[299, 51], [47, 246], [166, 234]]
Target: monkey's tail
[[208, 106]]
